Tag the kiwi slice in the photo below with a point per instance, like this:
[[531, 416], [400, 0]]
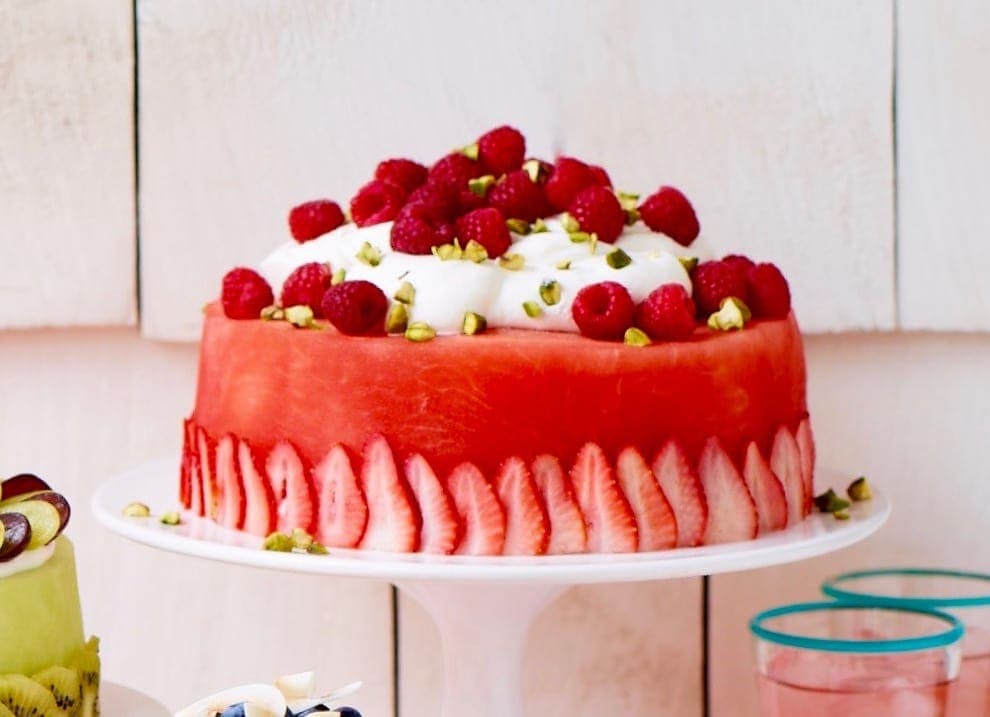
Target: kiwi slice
[[87, 663], [65, 686], [44, 519], [26, 698], [4, 712]]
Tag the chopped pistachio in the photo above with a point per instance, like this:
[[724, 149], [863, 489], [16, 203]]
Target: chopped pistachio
[[517, 226], [396, 319], [688, 262], [632, 216], [564, 265], [300, 316], [420, 331], [569, 223], [512, 262], [315, 548], [448, 252], [279, 542], [171, 518], [480, 185], [136, 510], [533, 168], [579, 237], [733, 315], [617, 259], [841, 515], [405, 294], [473, 323], [550, 292], [532, 309], [301, 539], [636, 337], [539, 226], [860, 490], [830, 502], [627, 200], [593, 243], [369, 255], [272, 313], [470, 151], [475, 251]]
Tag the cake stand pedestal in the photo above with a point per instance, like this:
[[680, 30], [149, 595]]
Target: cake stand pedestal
[[483, 607]]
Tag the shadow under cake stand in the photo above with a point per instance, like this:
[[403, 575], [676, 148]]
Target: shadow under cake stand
[[483, 607]]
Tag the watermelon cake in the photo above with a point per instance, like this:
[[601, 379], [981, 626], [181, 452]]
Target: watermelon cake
[[496, 355]]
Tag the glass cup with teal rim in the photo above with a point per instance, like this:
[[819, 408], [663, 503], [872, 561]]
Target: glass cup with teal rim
[[821, 659], [963, 594]]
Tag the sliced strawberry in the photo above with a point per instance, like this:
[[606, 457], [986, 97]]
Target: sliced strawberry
[[439, 531], [393, 521], [185, 466], [785, 462], [731, 511], [766, 489], [610, 520], [292, 486], [526, 526], [341, 511], [806, 447], [259, 512], [654, 516], [482, 516], [230, 504], [206, 450], [683, 491], [568, 533]]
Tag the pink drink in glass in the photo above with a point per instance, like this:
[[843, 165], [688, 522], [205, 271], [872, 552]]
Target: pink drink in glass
[[971, 693]]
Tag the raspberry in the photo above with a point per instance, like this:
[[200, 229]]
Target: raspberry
[[569, 177], [403, 173], [769, 294], [598, 211], [603, 311], [376, 202], [244, 294], [741, 263], [713, 282], [517, 197], [669, 212], [487, 227], [306, 285], [501, 150], [440, 200], [355, 307], [454, 170], [419, 228], [600, 175], [313, 219], [667, 314]]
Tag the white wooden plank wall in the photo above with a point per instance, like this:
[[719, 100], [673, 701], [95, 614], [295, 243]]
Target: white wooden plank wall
[[67, 248], [943, 142], [774, 116]]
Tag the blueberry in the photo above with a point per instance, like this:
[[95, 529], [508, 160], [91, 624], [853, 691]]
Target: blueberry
[[234, 711], [348, 712]]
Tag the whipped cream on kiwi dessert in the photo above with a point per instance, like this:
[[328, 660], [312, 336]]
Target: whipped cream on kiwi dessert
[[290, 696]]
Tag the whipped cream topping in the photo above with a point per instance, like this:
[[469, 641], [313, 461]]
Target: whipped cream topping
[[28, 560], [445, 290]]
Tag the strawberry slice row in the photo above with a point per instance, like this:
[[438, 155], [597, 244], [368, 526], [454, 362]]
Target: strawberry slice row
[[523, 509]]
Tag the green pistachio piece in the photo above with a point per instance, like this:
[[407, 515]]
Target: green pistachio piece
[[405, 294], [136, 510], [448, 252], [636, 337], [532, 309], [171, 518], [518, 226], [579, 237], [859, 490], [688, 262], [533, 168], [550, 292], [475, 251], [480, 185], [632, 216], [539, 226], [569, 223], [272, 313], [301, 539], [279, 542], [473, 323], [512, 262], [841, 515], [733, 315], [338, 277], [830, 502], [369, 255], [617, 259], [593, 243], [564, 265], [627, 200], [300, 316], [396, 319], [470, 151], [420, 331], [315, 548]]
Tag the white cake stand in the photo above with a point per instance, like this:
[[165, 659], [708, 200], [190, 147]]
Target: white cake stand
[[119, 701], [483, 607]]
